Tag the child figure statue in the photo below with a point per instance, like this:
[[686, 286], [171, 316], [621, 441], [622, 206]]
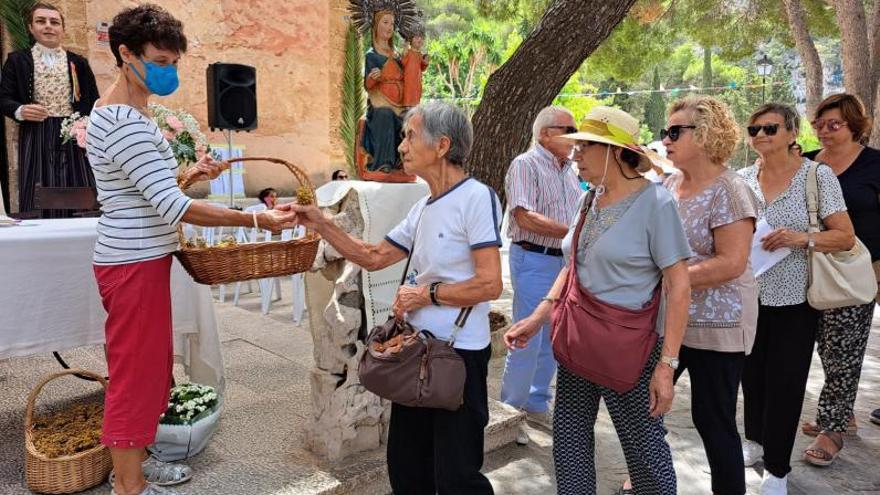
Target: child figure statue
[[415, 61]]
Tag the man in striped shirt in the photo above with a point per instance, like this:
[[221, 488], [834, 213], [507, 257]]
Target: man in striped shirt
[[542, 198]]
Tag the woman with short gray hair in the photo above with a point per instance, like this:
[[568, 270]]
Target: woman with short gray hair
[[452, 237]]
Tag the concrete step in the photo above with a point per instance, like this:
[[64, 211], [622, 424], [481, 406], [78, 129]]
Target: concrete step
[[368, 474]]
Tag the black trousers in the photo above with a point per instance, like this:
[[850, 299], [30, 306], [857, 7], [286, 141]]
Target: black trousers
[[775, 379], [715, 378], [434, 451]]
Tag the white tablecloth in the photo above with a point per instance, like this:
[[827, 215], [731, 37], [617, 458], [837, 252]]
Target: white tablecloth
[[49, 299]]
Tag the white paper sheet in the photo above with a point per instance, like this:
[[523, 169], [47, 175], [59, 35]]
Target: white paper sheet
[[762, 260]]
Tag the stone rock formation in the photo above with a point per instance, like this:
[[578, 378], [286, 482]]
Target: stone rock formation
[[346, 418]]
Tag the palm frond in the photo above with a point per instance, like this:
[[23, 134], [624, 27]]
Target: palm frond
[[13, 15], [353, 100]]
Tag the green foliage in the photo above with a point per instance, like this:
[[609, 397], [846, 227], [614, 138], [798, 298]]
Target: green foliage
[[353, 100], [573, 97], [13, 15], [655, 109], [807, 138]]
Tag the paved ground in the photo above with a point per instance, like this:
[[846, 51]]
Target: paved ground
[[257, 449]]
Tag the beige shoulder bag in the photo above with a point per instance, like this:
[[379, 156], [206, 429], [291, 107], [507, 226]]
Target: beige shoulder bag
[[840, 279]]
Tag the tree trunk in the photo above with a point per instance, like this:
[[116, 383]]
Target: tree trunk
[[569, 31], [855, 51], [809, 55]]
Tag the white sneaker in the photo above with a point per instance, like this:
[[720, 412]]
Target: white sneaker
[[522, 436], [752, 453], [771, 485], [544, 419]]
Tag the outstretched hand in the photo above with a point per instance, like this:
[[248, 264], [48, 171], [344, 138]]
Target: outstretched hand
[[307, 215], [207, 168], [276, 220]]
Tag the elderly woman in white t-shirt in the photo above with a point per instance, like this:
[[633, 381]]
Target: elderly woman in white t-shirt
[[453, 236]]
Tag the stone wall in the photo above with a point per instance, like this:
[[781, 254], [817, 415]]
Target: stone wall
[[297, 48]]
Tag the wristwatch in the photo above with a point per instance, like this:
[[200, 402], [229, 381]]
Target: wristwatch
[[432, 291], [672, 362]]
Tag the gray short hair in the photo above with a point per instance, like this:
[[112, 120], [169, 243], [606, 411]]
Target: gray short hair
[[547, 117], [442, 119]]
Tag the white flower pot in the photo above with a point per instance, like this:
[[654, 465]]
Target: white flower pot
[[178, 442]]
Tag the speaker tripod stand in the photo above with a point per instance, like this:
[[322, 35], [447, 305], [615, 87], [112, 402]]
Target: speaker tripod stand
[[229, 156]]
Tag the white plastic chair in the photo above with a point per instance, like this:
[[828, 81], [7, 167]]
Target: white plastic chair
[[268, 286], [299, 285]]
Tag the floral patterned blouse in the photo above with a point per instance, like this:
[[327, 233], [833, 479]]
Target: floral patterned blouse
[[52, 82], [721, 318], [785, 283]]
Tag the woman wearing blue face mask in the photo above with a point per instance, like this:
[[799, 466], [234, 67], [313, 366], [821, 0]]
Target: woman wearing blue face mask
[[141, 203]]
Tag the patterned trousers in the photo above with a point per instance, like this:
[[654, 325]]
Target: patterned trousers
[[642, 437], [842, 338]]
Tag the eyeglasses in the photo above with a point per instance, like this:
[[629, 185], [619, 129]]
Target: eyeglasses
[[568, 129], [674, 132], [769, 129], [832, 125]]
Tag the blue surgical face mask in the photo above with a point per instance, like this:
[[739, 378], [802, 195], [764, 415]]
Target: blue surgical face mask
[[161, 80]]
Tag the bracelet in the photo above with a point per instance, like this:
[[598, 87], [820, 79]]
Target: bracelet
[[550, 299], [256, 226], [432, 291]]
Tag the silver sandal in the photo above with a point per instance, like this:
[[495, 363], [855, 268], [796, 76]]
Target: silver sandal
[[162, 473], [152, 489]]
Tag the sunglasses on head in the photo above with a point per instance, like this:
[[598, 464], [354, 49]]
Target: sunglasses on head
[[567, 128], [833, 125], [674, 132], [769, 129]]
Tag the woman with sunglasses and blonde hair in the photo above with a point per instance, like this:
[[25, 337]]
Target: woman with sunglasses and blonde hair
[[718, 211], [842, 126], [775, 374]]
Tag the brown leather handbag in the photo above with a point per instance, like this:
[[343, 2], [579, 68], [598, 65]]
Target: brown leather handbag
[[601, 342], [412, 367]]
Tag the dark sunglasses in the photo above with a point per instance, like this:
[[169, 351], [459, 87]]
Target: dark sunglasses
[[674, 132], [769, 129], [568, 129], [833, 125]]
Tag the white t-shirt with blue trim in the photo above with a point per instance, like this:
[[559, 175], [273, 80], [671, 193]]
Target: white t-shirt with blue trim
[[447, 229]]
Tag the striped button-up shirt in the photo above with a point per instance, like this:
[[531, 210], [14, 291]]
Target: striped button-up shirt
[[538, 182]]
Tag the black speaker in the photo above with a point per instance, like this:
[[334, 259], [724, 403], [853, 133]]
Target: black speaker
[[232, 97]]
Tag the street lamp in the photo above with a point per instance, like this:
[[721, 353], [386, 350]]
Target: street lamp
[[765, 67]]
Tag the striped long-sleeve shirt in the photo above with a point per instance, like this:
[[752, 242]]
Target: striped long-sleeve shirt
[[135, 172], [537, 182]]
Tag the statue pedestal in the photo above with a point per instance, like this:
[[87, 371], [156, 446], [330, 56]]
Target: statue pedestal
[[343, 302]]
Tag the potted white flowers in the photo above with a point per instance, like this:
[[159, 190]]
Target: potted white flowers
[[189, 422]]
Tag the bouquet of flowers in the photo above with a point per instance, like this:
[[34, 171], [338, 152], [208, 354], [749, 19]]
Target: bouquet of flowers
[[74, 127], [188, 143], [189, 402]]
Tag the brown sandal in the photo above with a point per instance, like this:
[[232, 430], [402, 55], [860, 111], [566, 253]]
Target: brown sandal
[[818, 456], [811, 429]]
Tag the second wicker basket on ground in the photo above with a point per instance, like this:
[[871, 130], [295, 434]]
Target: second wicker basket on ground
[[216, 265], [68, 473]]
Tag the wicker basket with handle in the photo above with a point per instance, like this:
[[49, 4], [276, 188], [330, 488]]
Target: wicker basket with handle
[[69, 473], [217, 265]]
